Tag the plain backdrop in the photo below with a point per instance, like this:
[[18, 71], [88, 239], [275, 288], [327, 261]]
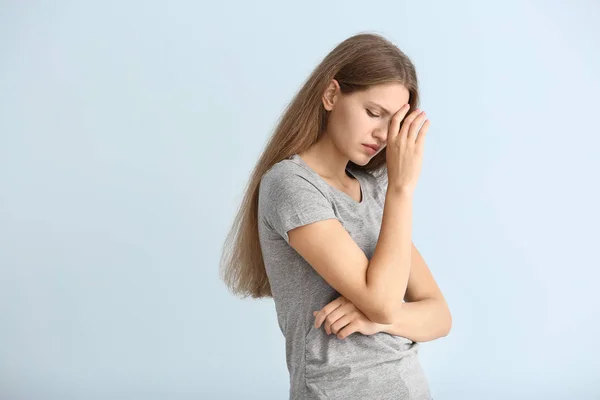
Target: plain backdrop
[[128, 130]]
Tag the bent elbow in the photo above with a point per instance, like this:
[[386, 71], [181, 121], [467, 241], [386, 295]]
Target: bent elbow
[[449, 323]]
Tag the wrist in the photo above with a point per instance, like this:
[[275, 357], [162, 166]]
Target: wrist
[[404, 192]]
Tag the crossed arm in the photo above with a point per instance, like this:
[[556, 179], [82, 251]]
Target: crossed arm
[[423, 316]]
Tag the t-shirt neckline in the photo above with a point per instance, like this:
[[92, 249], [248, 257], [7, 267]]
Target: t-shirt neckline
[[342, 193]]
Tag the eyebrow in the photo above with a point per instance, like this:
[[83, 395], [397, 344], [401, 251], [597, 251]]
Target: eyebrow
[[383, 110]]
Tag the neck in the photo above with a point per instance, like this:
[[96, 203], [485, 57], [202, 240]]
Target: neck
[[326, 160]]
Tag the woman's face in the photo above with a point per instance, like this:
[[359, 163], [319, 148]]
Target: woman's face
[[362, 118]]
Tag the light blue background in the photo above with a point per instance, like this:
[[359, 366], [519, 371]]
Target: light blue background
[[128, 131]]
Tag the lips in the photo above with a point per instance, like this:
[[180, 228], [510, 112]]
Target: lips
[[369, 149], [373, 146]]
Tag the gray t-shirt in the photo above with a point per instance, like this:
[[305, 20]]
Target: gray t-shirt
[[321, 366]]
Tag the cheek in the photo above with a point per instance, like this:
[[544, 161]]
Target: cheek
[[349, 128], [342, 124], [354, 129], [364, 127]]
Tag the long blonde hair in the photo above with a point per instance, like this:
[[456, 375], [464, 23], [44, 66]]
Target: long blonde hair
[[357, 63]]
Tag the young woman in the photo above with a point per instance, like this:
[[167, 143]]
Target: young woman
[[325, 230]]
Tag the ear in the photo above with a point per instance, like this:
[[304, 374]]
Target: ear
[[331, 94]]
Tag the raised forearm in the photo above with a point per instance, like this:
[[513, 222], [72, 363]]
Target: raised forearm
[[421, 321], [389, 268]]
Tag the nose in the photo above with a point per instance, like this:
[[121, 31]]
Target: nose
[[381, 134]]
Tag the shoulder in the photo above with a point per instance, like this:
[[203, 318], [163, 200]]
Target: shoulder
[[290, 196], [287, 175], [281, 170]]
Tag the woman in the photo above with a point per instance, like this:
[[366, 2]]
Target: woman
[[325, 229]]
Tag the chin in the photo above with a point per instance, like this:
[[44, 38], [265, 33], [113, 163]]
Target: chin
[[362, 160]]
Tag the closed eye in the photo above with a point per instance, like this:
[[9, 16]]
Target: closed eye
[[371, 114]]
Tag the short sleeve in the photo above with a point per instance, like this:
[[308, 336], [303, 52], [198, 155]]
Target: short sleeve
[[288, 200]]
